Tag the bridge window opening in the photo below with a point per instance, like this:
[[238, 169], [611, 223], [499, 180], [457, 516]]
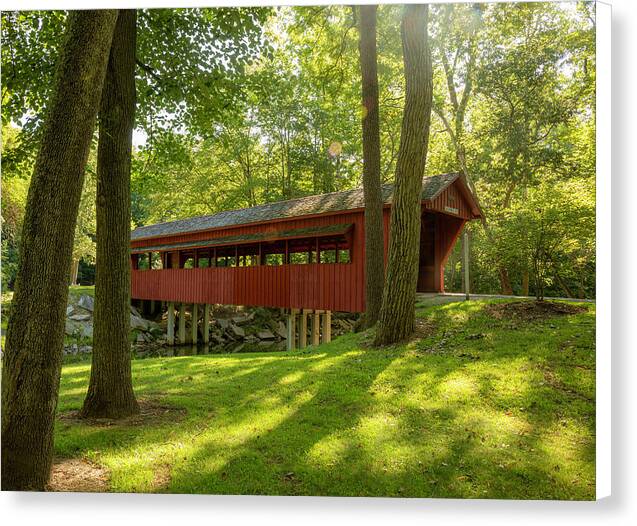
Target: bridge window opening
[[328, 256], [248, 255], [344, 255], [274, 259], [156, 261], [143, 261], [299, 258], [297, 251]]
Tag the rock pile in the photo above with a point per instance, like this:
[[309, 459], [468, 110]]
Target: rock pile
[[228, 326], [79, 325]]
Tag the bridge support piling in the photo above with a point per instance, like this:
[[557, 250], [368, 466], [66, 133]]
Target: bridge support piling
[[194, 323], [303, 330], [182, 323], [170, 330], [327, 327], [316, 327], [291, 338], [206, 323]]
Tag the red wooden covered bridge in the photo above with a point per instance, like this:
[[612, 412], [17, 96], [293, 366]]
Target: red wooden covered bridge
[[306, 255]]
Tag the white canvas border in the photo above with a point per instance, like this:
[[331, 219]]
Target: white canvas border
[[603, 249], [429, 508]]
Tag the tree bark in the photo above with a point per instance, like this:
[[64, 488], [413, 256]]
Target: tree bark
[[35, 334], [374, 263], [397, 315], [525, 282], [110, 393], [75, 267]]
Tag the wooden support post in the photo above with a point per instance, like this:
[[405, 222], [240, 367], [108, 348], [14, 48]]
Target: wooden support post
[[182, 324], [170, 330], [152, 306], [206, 323], [465, 250], [194, 323], [303, 330], [316, 327], [291, 339], [327, 327]]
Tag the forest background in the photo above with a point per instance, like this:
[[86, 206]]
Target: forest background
[[514, 89]]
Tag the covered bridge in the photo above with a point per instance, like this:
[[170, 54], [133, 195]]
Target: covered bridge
[[306, 254]]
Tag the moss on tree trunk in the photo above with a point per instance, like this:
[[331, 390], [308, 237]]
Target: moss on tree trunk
[[396, 321], [35, 334], [110, 393]]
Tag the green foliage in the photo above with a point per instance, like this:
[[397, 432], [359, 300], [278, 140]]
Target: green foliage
[[550, 233], [245, 106]]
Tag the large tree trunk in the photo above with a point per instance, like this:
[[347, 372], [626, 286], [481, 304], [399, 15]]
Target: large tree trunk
[[110, 393], [35, 335], [374, 264], [396, 321]]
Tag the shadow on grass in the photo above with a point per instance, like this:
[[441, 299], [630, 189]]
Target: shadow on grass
[[476, 417]]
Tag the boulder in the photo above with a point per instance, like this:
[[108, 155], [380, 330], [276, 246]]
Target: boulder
[[223, 323], [140, 337], [281, 330], [71, 327], [86, 302], [135, 312], [265, 335], [87, 330], [69, 309], [240, 320], [80, 317], [214, 337], [237, 331], [139, 323]]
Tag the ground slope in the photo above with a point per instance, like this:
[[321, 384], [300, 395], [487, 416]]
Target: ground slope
[[482, 405]]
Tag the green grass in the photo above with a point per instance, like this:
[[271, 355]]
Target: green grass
[[482, 408], [78, 290]]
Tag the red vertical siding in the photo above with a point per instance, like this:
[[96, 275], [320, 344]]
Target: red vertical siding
[[333, 286]]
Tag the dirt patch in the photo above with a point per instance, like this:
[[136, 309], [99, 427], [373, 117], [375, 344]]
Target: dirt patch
[[531, 310], [161, 478], [423, 327], [78, 474], [151, 412]]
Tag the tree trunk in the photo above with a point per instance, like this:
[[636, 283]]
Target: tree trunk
[[374, 264], [525, 282], [396, 320], [110, 393], [75, 266], [35, 335]]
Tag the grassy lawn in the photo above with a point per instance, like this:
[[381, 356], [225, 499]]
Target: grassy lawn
[[480, 408], [78, 290]]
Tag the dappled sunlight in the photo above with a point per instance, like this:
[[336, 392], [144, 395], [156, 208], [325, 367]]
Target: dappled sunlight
[[291, 378], [502, 414], [329, 451], [458, 387]]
